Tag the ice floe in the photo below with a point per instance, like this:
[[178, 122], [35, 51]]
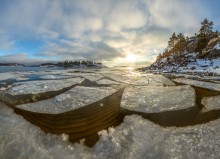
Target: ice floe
[[211, 103], [153, 99], [138, 138], [75, 98], [35, 87], [106, 82], [202, 84], [134, 138]]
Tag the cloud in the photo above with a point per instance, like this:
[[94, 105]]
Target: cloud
[[97, 29], [19, 58]]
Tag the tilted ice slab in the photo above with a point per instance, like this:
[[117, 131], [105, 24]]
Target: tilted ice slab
[[152, 80], [135, 138], [201, 84], [159, 80], [106, 82], [119, 77], [89, 76], [75, 98], [211, 103], [35, 87], [153, 99]]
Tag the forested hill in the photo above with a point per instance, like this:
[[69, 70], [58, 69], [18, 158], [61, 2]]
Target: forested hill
[[184, 51]]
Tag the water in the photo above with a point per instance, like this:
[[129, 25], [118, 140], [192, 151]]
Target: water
[[24, 69]]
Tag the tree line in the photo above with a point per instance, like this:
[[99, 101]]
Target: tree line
[[178, 44]]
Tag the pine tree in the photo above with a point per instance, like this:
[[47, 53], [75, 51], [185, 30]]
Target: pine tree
[[205, 35]]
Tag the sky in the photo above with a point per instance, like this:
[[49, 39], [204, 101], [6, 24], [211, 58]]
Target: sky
[[114, 32]]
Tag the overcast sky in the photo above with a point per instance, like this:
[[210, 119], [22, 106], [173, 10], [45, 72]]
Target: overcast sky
[[110, 31]]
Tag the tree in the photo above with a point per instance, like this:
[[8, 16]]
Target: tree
[[205, 35], [172, 41]]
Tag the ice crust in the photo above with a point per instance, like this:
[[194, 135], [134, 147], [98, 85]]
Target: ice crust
[[35, 87], [54, 77], [153, 99], [10, 75], [211, 103], [106, 81], [135, 138], [202, 84], [75, 98]]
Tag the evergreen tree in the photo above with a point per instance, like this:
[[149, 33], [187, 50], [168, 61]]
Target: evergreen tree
[[205, 35]]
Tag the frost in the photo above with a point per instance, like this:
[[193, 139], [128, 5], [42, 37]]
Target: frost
[[35, 87], [211, 103], [157, 99], [75, 98], [207, 85]]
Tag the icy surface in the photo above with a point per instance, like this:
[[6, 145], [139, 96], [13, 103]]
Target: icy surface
[[211, 103], [35, 87], [153, 80], [20, 139], [135, 138], [9, 75], [153, 99], [207, 85], [54, 77], [75, 98], [106, 81], [138, 138]]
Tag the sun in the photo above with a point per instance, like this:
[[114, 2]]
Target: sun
[[131, 58]]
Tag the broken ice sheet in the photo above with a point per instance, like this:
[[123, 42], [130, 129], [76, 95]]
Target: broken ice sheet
[[159, 80], [201, 84], [35, 87], [106, 82], [211, 103], [10, 75], [20, 139], [75, 98], [152, 99], [139, 138], [135, 138], [54, 77]]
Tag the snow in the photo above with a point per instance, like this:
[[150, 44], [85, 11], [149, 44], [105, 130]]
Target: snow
[[211, 103], [217, 46], [201, 84], [75, 98], [35, 87], [153, 99]]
